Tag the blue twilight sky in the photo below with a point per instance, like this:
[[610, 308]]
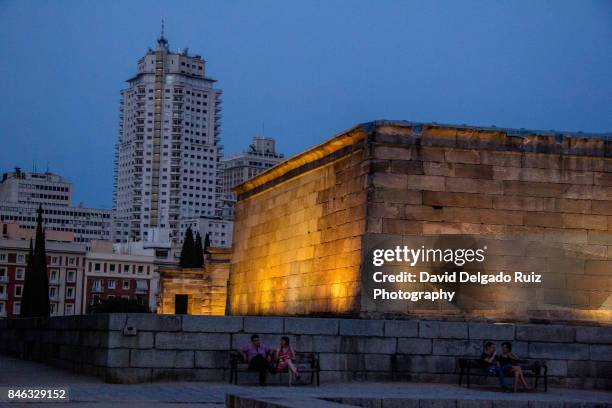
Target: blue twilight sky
[[305, 69]]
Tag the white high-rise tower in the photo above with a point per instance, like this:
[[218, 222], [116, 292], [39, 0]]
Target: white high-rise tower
[[168, 153]]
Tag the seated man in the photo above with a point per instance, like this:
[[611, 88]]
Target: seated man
[[257, 355], [490, 363]]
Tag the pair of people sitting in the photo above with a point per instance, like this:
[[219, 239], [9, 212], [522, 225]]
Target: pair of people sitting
[[503, 363], [265, 360]]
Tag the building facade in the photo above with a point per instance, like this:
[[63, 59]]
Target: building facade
[[167, 156], [65, 266], [536, 202], [219, 230], [21, 193], [111, 273], [260, 156]]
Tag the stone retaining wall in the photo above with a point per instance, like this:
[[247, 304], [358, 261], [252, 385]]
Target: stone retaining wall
[[170, 347]]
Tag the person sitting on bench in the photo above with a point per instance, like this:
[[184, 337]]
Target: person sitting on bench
[[284, 357], [508, 362], [489, 360], [257, 355]]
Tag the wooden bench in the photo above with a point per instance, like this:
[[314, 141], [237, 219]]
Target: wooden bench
[[531, 368], [305, 362]]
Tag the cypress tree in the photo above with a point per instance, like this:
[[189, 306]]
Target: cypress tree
[[199, 259], [188, 250], [26, 295], [206, 243], [37, 299]]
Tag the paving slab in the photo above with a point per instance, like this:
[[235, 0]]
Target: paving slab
[[90, 391]]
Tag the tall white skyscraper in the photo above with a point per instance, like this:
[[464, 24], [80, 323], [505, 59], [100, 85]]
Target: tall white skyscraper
[[168, 154]]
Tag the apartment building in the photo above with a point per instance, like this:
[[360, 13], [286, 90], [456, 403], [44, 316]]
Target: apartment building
[[21, 193], [65, 266], [236, 169], [168, 153]]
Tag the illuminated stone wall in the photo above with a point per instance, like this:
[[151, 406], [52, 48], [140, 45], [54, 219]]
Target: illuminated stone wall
[[206, 287], [297, 242], [541, 202]]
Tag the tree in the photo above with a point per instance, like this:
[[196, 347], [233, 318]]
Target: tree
[[35, 296], [188, 250], [199, 259], [206, 243], [26, 295]]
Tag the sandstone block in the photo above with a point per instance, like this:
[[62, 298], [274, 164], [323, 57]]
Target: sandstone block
[[144, 321], [192, 341], [457, 199], [357, 327], [462, 156], [161, 359], [211, 359], [116, 357], [435, 329], [598, 267], [116, 339], [326, 344], [298, 325], [473, 171], [593, 335], [429, 183], [227, 324], [567, 205], [602, 207], [401, 328], [584, 221], [397, 196], [549, 333], [427, 364], [600, 352], [414, 346], [470, 185], [407, 167], [401, 227], [533, 189], [377, 362], [392, 153], [489, 331], [390, 180], [561, 351], [253, 324], [523, 203], [457, 347]]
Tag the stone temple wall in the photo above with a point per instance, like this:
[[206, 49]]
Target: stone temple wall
[[297, 243], [539, 202], [196, 348]]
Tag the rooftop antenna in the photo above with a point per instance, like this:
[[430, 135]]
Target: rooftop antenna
[[162, 40], [263, 128]]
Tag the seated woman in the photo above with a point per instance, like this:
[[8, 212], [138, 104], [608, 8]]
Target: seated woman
[[489, 361], [284, 357], [508, 362]]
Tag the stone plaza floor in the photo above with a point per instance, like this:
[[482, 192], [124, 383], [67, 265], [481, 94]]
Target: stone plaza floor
[[88, 391]]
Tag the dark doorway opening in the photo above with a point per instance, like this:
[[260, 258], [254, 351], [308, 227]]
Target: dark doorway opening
[[180, 304]]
